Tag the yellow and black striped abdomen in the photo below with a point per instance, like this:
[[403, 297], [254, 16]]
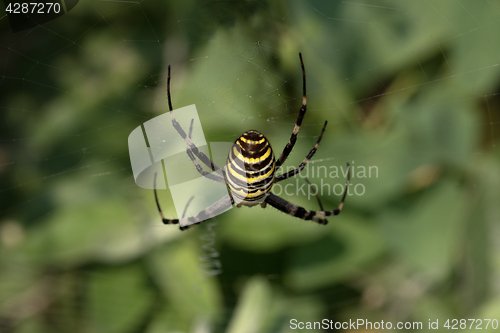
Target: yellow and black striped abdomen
[[250, 167]]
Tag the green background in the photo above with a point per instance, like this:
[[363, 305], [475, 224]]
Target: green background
[[411, 87]]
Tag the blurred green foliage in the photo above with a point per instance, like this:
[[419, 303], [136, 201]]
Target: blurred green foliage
[[410, 87]]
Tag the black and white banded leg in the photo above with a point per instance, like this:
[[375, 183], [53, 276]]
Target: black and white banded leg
[[214, 177], [315, 195], [215, 209], [302, 165], [204, 158], [293, 138], [300, 212]]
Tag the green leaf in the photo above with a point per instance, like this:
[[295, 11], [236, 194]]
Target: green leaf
[[118, 299]]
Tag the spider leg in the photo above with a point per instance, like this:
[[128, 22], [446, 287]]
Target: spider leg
[[215, 209], [187, 206], [165, 221], [293, 138], [204, 158], [300, 212], [208, 175], [184, 223], [304, 162], [316, 196]]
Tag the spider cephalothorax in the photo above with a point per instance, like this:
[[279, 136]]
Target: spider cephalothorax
[[251, 171]]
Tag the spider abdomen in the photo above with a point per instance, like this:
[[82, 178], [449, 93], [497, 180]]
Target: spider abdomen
[[250, 168]]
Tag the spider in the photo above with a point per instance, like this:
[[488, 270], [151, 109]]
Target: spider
[[250, 171]]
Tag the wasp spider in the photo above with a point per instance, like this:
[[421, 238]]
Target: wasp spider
[[250, 171]]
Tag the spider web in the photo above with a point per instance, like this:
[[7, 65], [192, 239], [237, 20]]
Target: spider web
[[407, 87]]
